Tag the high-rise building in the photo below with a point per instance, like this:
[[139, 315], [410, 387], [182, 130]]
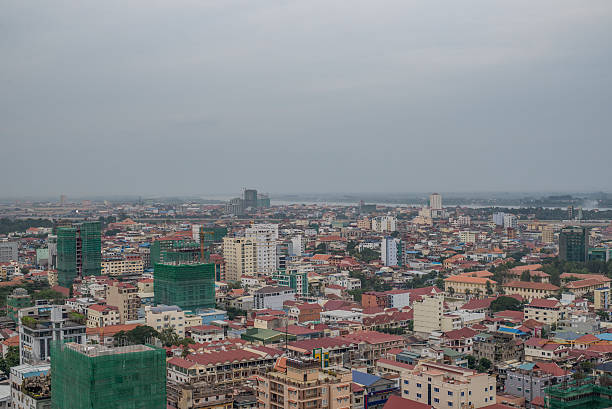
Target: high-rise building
[[189, 286], [573, 245], [174, 251], [601, 297], [297, 246], [391, 251], [240, 257], [570, 212], [548, 235], [498, 218], [97, 377], [266, 238], [428, 314], [8, 251], [435, 201], [125, 297], [250, 198], [510, 221], [79, 252], [44, 323]]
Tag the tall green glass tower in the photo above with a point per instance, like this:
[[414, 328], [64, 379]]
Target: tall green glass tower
[[573, 244], [79, 252], [189, 286]]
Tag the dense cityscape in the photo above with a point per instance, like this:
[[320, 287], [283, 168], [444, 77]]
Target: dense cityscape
[[250, 304]]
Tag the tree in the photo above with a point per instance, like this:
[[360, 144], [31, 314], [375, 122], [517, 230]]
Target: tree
[[11, 359], [471, 361], [483, 365], [168, 337], [411, 325], [603, 315], [451, 291], [503, 303], [468, 292], [525, 276], [489, 288], [142, 334]]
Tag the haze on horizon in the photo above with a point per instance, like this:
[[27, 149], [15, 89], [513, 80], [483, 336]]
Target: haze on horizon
[[197, 97]]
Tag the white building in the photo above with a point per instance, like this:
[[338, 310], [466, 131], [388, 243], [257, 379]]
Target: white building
[[498, 218], [266, 237], [297, 246], [510, 221], [272, 297], [166, 316], [383, 224], [399, 298], [391, 251], [435, 201], [341, 315]]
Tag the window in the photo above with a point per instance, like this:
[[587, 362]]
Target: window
[[486, 400], [405, 382], [418, 385], [436, 400], [462, 393], [450, 393], [450, 403], [436, 389], [418, 395]]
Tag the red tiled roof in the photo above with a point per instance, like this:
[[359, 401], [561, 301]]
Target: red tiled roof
[[589, 282], [544, 303], [551, 368], [218, 357], [395, 363], [515, 315], [462, 333], [531, 285], [478, 304], [397, 402]]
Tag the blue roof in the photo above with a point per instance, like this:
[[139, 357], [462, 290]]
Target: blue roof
[[511, 330], [528, 366], [606, 336], [363, 378]]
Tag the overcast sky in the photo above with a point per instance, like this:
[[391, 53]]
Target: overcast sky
[[202, 97]]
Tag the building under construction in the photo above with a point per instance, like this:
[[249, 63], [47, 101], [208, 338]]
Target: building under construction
[[99, 377], [175, 251], [79, 252], [589, 393], [189, 286]]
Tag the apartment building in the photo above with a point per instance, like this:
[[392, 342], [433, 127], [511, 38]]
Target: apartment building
[[428, 314], [240, 257], [266, 239], [41, 324], [125, 297], [384, 224], [166, 316], [101, 315], [30, 386], [530, 290], [303, 384], [530, 379], [223, 368], [272, 297], [545, 311], [447, 386], [118, 266]]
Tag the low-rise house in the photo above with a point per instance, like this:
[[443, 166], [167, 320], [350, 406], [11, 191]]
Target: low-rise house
[[543, 349], [530, 290]]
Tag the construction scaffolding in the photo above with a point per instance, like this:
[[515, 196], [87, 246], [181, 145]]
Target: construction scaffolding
[[578, 394], [99, 377], [91, 249], [66, 255], [189, 286]]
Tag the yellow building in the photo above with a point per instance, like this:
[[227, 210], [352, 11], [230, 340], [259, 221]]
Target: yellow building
[[545, 311], [303, 384], [427, 314], [240, 255], [125, 297], [364, 224], [548, 235], [121, 266], [468, 284], [530, 290], [100, 315], [166, 316], [601, 296], [448, 386], [52, 278]]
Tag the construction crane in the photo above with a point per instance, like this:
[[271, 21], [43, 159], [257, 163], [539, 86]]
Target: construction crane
[[202, 240]]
